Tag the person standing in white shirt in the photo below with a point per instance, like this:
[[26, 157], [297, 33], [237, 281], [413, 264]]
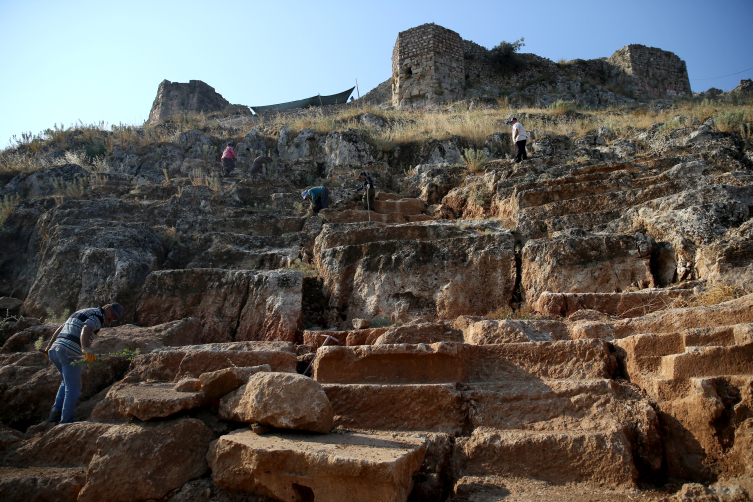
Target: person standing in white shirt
[[519, 139]]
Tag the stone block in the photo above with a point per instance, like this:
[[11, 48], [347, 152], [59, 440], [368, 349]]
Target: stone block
[[283, 400], [174, 363], [232, 304], [137, 461], [218, 383], [447, 270], [147, 401], [597, 458], [338, 467], [188, 385], [420, 407]]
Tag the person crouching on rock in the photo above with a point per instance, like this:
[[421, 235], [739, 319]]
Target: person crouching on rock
[[368, 196], [319, 197], [70, 343], [228, 159]]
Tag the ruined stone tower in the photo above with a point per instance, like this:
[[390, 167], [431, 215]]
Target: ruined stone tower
[[193, 97], [655, 73], [427, 67]]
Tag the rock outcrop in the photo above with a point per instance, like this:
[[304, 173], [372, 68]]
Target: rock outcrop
[[174, 98]]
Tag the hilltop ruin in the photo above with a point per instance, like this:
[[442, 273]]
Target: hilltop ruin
[[576, 327]]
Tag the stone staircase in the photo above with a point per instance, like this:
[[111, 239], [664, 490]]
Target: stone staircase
[[389, 208], [699, 371], [546, 411]]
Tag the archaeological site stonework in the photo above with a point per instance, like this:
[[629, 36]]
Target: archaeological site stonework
[[427, 67], [433, 65], [655, 73], [193, 97]]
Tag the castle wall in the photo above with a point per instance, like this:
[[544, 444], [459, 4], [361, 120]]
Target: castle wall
[[427, 67], [194, 97]]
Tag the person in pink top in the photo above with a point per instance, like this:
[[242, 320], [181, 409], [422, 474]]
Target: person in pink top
[[228, 159]]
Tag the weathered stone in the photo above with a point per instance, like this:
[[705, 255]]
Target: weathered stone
[[338, 467], [174, 98], [361, 323], [628, 304], [67, 445], [456, 362], [425, 407], [478, 331], [41, 483], [420, 333], [108, 256], [232, 304], [188, 385], [283, 400], [218, 383], [146, 401], [596, 458], [137, 461], [579, 262], [172, 364], [414, 270], [728, 313]]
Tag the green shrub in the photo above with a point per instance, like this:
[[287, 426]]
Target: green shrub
[[503, 58], [475, 160]]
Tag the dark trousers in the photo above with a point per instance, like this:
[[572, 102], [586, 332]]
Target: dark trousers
[[368, 199], [228, 164], [323, 201], [520, 150]]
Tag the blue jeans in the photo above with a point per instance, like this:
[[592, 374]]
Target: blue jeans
[[70, 388]]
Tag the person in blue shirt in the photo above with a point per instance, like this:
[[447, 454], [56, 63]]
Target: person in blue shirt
[[70, 343], [319, 197]]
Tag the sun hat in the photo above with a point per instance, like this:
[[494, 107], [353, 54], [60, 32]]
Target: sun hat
[[305, 194], [511, 119]]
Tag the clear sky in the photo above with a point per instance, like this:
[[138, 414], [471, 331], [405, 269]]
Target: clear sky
[[71, 60]]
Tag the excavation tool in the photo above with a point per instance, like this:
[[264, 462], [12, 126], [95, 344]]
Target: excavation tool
[[327, 338]]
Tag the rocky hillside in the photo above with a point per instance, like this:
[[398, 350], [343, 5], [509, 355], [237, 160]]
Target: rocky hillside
[[576, 327]]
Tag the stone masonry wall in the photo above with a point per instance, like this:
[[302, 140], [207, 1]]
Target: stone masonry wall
[[427, 67], [635, 71], [193, 97], [655, 73]]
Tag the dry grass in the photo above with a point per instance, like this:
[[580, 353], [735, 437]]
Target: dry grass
[[307, 269], [506, 313], [404, 127], [718, 293]]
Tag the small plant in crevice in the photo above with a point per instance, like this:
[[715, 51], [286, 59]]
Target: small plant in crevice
[[475, 160], [307, 269], [7, 205], [57, 319]]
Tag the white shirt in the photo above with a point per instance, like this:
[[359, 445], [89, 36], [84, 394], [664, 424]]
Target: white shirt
[[521, 132]]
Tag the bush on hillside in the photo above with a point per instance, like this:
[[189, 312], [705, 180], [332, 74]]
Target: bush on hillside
[[503, 57]]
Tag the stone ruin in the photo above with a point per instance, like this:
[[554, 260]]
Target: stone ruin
[[433, 65], [427, 67], [175, 98], [655, 73]]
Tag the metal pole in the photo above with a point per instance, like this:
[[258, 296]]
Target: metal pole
[[359, 92], [327, 338], [368, 203]]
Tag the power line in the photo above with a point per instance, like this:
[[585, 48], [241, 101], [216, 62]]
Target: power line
[[713, 78]]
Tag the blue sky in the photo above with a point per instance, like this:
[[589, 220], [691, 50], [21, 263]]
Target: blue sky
[[65, 61]]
